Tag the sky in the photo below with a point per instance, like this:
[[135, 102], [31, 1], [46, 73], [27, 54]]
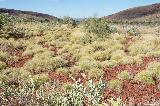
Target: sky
[[75, 8]]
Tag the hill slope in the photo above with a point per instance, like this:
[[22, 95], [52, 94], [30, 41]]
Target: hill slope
[[149, 12], [27, 14]]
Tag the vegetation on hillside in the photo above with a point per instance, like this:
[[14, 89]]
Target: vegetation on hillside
[[69, 63]]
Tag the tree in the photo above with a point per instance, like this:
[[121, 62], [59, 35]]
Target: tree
[[100, 27]]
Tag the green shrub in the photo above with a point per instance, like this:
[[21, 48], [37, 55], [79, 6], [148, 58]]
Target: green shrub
[[15, 32], [16, 74], [3, 56], [155, 68], [154, 53], [67, 87], [21, 74], [115, 85], [141, 47], [65, 70], [3, 78], [4, 19], [95, 73], [110, 63], [100, 45], [133, 31], [117, 55], [87, 39], [101, 55], [40, 79], [100, 27], [33, 49], [145, 77], [86, 63], [124, 75], [43, 63], [2, 65], [69, 21]]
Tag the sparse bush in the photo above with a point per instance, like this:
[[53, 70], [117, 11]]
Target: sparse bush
[[100, 45], [115, 85], [117, 55], [40, 79], [101, 55], [141, 47], [87, 63], [15, 32], [110, 63], [67, 87], [100, 27], [43, 63], [2, 65], [154, 53], [124, 75], [3, 78], [69, 21], [16, 75], [4, 19], [87, 39], [3, 56], [145, 77], [133, 32], [65, 70], [155, 68], [95, 73], [34, 49]]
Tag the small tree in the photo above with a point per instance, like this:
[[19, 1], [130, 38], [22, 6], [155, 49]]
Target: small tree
[[3, 20], [100, 27], [69, 21]]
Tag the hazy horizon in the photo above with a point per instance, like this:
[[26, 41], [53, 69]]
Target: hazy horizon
[[74, 8]]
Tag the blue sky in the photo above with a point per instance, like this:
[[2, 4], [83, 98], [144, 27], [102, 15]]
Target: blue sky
[[74, 8]]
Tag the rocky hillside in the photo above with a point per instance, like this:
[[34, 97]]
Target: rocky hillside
[[27, 14], [145, 13]]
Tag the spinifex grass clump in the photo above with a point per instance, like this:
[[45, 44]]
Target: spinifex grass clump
[[145, 77]]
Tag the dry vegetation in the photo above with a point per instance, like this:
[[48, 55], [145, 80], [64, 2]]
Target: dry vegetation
[[52, 63]]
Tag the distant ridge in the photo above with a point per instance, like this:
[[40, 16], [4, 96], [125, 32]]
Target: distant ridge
[[142, 13], [27, 14]]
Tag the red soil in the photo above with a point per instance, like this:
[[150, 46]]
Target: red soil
[[20, 62]]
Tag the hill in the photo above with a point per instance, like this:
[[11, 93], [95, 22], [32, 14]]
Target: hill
[[28, 14], [145, 13]]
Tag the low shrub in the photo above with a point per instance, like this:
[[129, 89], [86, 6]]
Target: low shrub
[[33, 49], [95, 73], [133, 32], [43, 63], [3, 78], [124, 75], [65, 70], [3, 56], [115, 85], [145, 77], [101, 55], [16, 75], [117, 55], [155, 68], [110, 63], [153, 53], [2, 65], [67, 87], [40, 79], [100, 45], [86, 63], [141, 47]]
